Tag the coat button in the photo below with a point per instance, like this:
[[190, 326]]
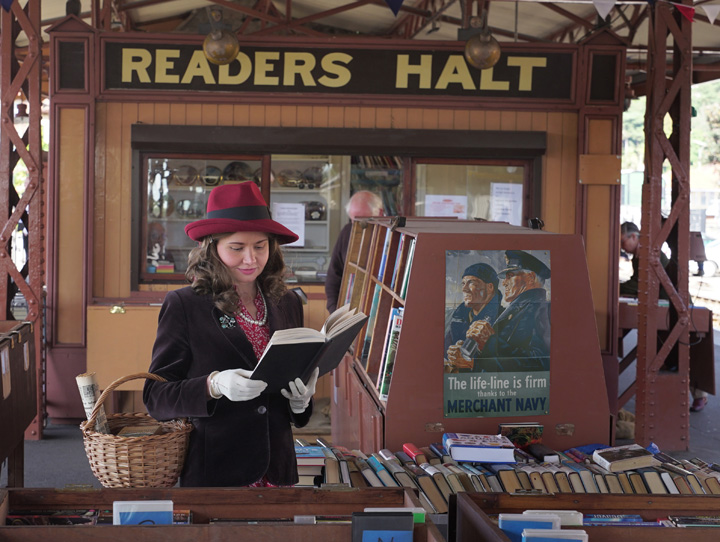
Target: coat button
[[262, 410]]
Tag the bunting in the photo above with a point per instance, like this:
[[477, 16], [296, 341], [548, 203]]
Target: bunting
[[603, 7], [6, 4], [394, 5], [687, 11], [711, 11]]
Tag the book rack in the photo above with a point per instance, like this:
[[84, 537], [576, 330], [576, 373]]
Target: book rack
[[18, 396], [400, 262], [469, 513], [205, 504]]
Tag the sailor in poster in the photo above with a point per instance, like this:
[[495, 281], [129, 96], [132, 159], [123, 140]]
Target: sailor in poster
[[480, 301], [519, 339]]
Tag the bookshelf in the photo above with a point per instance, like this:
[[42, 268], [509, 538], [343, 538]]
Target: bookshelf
[[381, 250], [18, 395], [205, 504], [469, 519]]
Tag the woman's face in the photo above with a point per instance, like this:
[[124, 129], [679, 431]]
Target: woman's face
[[245, 254]]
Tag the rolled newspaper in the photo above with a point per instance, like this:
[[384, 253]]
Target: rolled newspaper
[[89, 393]]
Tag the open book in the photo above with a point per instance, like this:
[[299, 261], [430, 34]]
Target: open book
[[295, 352]]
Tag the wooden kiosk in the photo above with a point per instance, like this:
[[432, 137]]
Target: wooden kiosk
[[573, 405], [560, 124]]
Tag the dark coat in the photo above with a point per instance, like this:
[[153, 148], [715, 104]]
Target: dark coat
[[233, 443], [522, 334]]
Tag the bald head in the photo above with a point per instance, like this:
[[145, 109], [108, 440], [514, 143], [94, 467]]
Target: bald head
[[364, 203]]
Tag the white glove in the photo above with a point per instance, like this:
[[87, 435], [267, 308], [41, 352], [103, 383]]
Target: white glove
[[301, 393], [235, 384]]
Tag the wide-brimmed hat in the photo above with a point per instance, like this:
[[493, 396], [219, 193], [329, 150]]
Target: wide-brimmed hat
[[238, 207]]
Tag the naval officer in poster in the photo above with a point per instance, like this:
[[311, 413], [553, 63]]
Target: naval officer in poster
[[519, 339]]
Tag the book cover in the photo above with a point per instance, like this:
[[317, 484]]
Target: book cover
[[370, 475], [414, 453], [479, 448], [332, 468], [372, 526], [389, 361], [513, 525], [439, 479], [398, 262], [370, 325], [522, 434], [452, 478], [143, 512], [408, 268], [543, 453], [621, 458], [429, 488], [295, 352], [382, 473], [507, 476], [653, 481], [554, 535], [310, 455]]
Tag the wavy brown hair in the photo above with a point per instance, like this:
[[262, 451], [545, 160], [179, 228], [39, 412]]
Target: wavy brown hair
[[208, 275]]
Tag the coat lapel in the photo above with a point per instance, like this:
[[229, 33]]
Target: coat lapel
[[235, 336]]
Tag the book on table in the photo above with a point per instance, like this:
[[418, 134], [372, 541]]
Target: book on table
[[479, 448], [621, 458], [295, 352]]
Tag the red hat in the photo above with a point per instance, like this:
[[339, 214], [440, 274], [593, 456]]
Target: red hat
[[238, 207]]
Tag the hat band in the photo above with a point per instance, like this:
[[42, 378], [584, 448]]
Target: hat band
[[256, 212]]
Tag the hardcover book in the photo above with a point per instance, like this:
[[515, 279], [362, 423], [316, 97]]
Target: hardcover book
[[514, 524], [295, 352], [621, 458], [479, 448]]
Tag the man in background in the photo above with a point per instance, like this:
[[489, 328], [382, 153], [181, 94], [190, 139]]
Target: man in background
[[362, 204], [629, 242]]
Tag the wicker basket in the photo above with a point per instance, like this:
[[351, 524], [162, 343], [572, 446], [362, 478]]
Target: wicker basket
[[145, 461]]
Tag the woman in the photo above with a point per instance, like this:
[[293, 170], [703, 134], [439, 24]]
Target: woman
[[210, 336]]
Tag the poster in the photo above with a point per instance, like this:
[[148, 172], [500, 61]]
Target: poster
[[446, 206], [497, 333]]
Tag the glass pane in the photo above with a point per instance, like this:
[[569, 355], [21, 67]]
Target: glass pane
[[382, 175], [176, 194], [489, 192], [304, 196]]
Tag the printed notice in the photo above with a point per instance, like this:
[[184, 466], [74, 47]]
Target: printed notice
[[292, 216], [506, 203], [455, 206]]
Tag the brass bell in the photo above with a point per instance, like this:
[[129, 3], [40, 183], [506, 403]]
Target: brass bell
[[482, 50], [221, 47]]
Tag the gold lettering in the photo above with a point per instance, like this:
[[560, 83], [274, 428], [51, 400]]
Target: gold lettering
[[300, 64], [163, 64], [331, 63], [404, 69], [487, 83], [263, 66], [138, 61], [455, 71], [198, 67], [526, 65], [224, 77]]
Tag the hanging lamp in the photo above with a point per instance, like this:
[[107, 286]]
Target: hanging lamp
[[482, 50], [220, 46]]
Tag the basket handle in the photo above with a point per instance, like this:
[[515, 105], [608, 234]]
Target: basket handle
[[107, 391]]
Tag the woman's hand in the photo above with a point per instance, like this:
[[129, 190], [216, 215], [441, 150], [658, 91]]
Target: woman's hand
[[300, 393], [235, 384]]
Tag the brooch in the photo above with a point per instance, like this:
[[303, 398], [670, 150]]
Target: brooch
[[227, 322]]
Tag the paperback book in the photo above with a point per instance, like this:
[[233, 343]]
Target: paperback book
[[622, 458]]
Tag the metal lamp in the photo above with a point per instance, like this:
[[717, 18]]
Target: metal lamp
[[482, 50], [220, 46]]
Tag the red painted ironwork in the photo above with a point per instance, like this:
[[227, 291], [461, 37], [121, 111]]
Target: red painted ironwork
[[662, 393], [22, 208]]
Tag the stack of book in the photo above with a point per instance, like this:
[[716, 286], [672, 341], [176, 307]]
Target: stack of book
[[437, 474]]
